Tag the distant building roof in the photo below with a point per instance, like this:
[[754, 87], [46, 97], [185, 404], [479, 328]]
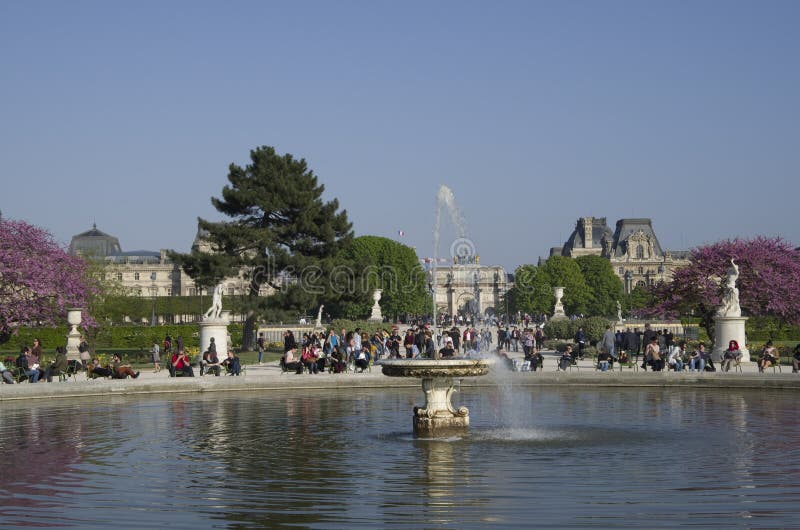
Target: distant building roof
[[94, 243]]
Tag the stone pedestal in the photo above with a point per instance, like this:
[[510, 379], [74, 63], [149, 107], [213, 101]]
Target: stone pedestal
[[74, 336], [558, 312], [727, 329], [439, 418], [217, 328]]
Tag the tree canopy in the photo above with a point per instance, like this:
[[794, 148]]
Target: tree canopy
[[39, 281], [280, 232], [769, 281], [382, 263], [533, 287], [605, 287]]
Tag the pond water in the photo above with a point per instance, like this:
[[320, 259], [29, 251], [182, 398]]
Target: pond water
[[548, 457]]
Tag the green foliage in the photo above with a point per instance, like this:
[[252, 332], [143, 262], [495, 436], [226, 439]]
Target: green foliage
[[382, 263], [349, 325], [639, 298], [565, 329], [533, 287], [280, 233], [129, 337], [766, 328], [605, 287]]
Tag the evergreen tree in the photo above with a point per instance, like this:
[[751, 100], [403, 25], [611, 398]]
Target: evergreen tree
[[280, 233]]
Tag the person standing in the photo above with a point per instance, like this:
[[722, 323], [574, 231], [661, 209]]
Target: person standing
[[607, 342], [155, 353], [580, 340], [261, 344]]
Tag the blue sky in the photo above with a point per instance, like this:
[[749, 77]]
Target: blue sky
[[534, 113]]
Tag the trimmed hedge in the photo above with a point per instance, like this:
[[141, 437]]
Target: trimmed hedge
[[593, 327], [126, 337]]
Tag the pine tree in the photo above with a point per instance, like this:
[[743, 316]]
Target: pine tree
[[280, 233]]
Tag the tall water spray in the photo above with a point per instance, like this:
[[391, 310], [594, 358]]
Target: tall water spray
[[445, 200]]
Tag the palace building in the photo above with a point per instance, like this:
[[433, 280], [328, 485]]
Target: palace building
[[632, 248]]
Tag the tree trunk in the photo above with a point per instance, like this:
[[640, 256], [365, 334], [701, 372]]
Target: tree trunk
[[247, 331]]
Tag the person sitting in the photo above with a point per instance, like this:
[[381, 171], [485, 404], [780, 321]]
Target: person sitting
[[121, 371], [309, 359], [29, 363], [95, 370], [362, 358], [675, 358], [697, 361], [603, 359], [796, 359], [447, 352], [337, 364], [731, 356], [233, 366], [180, 364], [289, 364], [566, 359], [536, 359], [210, 363], [769, 357], [652, 354], [8, 377], [58, 366]]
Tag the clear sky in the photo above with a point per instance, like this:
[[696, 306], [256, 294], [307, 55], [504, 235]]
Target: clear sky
[[534, 113]]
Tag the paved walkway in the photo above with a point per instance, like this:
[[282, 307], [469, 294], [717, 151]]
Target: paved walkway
[[268, 377]]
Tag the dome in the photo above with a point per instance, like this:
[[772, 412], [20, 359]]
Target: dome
[[94, 243]]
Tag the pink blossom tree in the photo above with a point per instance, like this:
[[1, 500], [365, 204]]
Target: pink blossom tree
[[769, 281], [39, 281]]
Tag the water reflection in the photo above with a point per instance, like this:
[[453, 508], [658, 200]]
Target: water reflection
[[636, 458]]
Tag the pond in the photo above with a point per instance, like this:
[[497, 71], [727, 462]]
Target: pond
[[549, 457]]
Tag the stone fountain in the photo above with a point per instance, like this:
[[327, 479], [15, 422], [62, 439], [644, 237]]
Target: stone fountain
[[438, 418]]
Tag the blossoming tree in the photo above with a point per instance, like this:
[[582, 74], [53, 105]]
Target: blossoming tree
[[769, 281], [38, 279]]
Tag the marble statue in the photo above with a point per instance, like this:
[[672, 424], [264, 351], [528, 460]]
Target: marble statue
[[619, 312], [730, 299], [318, 323], [215, 310]]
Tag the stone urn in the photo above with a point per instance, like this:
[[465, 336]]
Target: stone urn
[[74, 319]]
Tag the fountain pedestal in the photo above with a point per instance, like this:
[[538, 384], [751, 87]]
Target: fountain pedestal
[[438, 418]]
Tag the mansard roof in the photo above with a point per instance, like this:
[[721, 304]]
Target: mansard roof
[[599, 229], [634, 228]]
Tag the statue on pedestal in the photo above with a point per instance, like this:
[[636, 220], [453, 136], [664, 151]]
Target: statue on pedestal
[[730, 299], [215, 310], [619, 312], [318, 323]]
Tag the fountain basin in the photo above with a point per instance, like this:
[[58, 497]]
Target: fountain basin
[[438, 418]]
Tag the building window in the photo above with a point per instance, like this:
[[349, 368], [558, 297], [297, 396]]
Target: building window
[[641, 270], [119, 276], [639, 252], [136, 276], [138, 292], [192, 291], [169, 291], [230, 291], [640, 283], [622, 270]]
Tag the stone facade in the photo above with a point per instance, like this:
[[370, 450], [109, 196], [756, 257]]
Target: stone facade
[[148, 273], [632, 248], [469, 288]]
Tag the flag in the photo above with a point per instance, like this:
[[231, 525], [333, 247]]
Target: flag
[[401, 233]]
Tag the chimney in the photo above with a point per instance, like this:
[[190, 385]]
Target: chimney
[[587, 232]]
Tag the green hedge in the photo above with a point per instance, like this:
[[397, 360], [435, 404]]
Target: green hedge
[[127, 337], [593, 327]]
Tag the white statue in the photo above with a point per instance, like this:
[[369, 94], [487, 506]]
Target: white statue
[[730, 299], [215, 310], [318, 323], [619, 312]]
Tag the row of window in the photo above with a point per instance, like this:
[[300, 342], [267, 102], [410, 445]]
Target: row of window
[[641, 271]]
